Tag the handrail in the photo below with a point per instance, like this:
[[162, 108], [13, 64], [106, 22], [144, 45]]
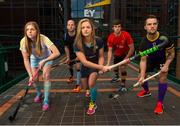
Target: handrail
[[12, 82], [168, 36], [2, 48], [13, 36]]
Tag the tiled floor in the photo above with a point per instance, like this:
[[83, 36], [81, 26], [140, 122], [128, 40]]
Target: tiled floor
[[68, 108]]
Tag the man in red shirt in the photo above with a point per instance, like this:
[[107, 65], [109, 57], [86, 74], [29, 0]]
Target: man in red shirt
[[122, 43]]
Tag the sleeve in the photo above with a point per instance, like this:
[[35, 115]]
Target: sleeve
[[142, 45], [129, 38], [47, 41], [110, 41], [170, 44], [75, 48], [22, 45], [65, 39], [100, 43]]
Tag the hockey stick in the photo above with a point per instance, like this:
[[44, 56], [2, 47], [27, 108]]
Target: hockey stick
[[112, 96], [64, 63], [141, 54], [21, 100], [59, 64]]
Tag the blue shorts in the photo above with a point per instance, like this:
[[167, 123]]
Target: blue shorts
[[35, 62]]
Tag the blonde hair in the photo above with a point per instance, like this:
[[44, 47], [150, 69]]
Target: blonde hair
[[28, 41], [79, 38]]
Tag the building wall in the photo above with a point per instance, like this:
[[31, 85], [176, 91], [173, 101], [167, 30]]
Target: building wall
[[14, 15], [47, 13]]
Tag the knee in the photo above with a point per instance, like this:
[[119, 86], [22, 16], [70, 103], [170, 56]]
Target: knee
[[123, 73], [163, 78], [91, 84], [116, 70], [36, 79], [46, 76]]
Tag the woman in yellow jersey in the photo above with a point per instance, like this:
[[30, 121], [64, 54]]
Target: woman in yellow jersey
[[38, 52]]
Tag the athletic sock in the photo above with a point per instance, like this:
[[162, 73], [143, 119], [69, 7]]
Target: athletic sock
[[78, 77], [71, 71], [162, 88], [93, 94], [38, 90], [146, 86], [47, 86]]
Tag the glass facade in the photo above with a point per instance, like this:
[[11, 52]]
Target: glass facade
[[15, 13], [47, 13], [51, 16], [78, 9], [101, 20], [131, 13]]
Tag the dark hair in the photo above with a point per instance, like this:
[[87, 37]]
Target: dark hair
[[150, 16], [116, 22]]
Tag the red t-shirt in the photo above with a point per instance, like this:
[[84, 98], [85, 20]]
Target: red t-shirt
[[120, 43]]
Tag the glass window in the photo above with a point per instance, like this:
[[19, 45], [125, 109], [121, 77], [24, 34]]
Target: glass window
[[74, 14], [80, 14], [78, 10], [74, 4], [81, 5]]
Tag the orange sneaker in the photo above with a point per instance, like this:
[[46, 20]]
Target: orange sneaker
[[159, 108], [70, 80], [87, 93], [77, 89], [144, 93]]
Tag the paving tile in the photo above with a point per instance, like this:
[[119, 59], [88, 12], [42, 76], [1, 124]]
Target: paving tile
[[67, 108]]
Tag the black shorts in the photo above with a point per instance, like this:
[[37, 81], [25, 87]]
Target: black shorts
[[72, 56], [153, 66], [73, 59], [85, 72], [118, 59]]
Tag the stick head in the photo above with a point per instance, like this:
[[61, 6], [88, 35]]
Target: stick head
[[11, 118], [163, 38], [165, 41], [111, 95]]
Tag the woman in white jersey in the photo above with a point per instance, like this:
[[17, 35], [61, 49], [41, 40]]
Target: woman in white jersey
[[38, 52]]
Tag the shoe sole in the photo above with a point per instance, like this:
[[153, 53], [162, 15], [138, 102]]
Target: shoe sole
[[69, 81], [158, 113], [87, 96], [37, 101], [76, 91], [144, 95], [45, 109], [40, 100], [115, 81], [93, 112]]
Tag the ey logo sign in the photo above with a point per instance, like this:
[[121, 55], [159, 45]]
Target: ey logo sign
[[91, 13]]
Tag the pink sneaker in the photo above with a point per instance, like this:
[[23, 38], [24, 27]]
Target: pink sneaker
[[37, 99], [87, 93], [92, 108], [45, 107]]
